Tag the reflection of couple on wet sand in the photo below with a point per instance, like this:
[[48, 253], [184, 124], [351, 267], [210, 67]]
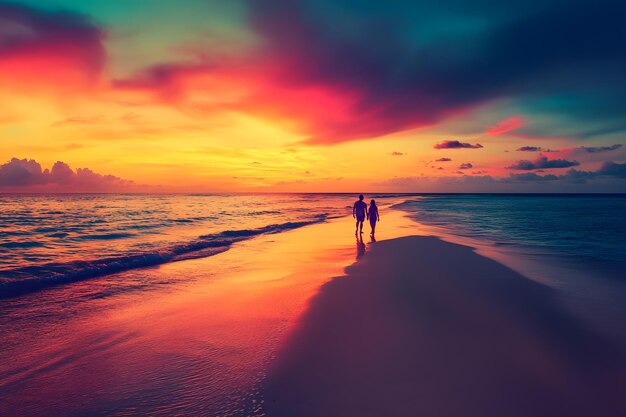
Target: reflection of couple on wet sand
[[360, 212]]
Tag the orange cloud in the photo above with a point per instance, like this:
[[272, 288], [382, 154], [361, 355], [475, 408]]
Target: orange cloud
[[248, 85]]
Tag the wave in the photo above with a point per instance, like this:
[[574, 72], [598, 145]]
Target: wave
[[26, 244], [25, 280], [58, 234], [104, 236]]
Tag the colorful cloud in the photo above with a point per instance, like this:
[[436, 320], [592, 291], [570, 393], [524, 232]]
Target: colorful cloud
[[27, 173], [455, 144], [295, 85], [598, 149], [507, 125], [402, 82], [542, 162], [535, 149], [336, 87], [48, 50]]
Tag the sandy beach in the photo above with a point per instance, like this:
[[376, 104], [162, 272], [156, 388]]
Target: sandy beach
[[278, 326], [425, 327]]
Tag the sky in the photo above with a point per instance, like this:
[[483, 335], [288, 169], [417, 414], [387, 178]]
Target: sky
[[312, 96]]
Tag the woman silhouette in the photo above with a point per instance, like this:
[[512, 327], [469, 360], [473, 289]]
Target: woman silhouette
[[373, 216]]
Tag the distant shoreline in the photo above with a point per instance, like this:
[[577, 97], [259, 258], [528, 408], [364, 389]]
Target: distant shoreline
[[43, 193]]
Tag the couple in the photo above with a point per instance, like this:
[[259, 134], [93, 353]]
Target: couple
[[360, 212]]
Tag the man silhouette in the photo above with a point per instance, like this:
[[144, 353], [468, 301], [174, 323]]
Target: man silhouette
[[359, 211]]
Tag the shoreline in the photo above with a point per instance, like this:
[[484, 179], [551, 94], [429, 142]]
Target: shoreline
[[591, 296], [406, 332], [202, 246], [192, 337], [213, 339]]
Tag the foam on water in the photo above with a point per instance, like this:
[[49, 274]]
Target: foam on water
[[46, 240]]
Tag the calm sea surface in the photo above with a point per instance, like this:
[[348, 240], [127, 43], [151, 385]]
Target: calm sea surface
[[589, 229], [47, 240]]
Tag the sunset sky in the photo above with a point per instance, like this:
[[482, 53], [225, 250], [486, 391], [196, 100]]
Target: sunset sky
[[312, 95]]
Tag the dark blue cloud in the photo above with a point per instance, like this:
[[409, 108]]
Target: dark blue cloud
[[414, 63], [455, 144], [530, 177], [542, 162], [608, 170], [598, 149], [608, 178], [535, 149], [612, 169]]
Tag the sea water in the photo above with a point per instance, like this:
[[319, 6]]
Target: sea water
[[588, 231], [48, 240]]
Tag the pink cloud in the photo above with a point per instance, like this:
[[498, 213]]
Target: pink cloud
[[507, 125], [48, 50]]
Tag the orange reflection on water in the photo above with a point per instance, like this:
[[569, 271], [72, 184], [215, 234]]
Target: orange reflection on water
[[200, 345]]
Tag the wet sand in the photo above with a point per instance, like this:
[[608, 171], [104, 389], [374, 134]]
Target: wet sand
[[416, 327], [195, 338], [425, 327]]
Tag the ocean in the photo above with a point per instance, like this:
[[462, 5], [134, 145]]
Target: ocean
[[47, 240], [582, 231], [98, 318]]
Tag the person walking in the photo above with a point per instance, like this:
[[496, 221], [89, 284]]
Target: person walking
[[359, 211], [373, 216]]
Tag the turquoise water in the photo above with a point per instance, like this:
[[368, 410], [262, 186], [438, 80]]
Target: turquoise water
[[585, 229]]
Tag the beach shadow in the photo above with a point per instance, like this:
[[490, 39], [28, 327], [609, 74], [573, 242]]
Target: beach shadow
[[360, 246], [425, 327]]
